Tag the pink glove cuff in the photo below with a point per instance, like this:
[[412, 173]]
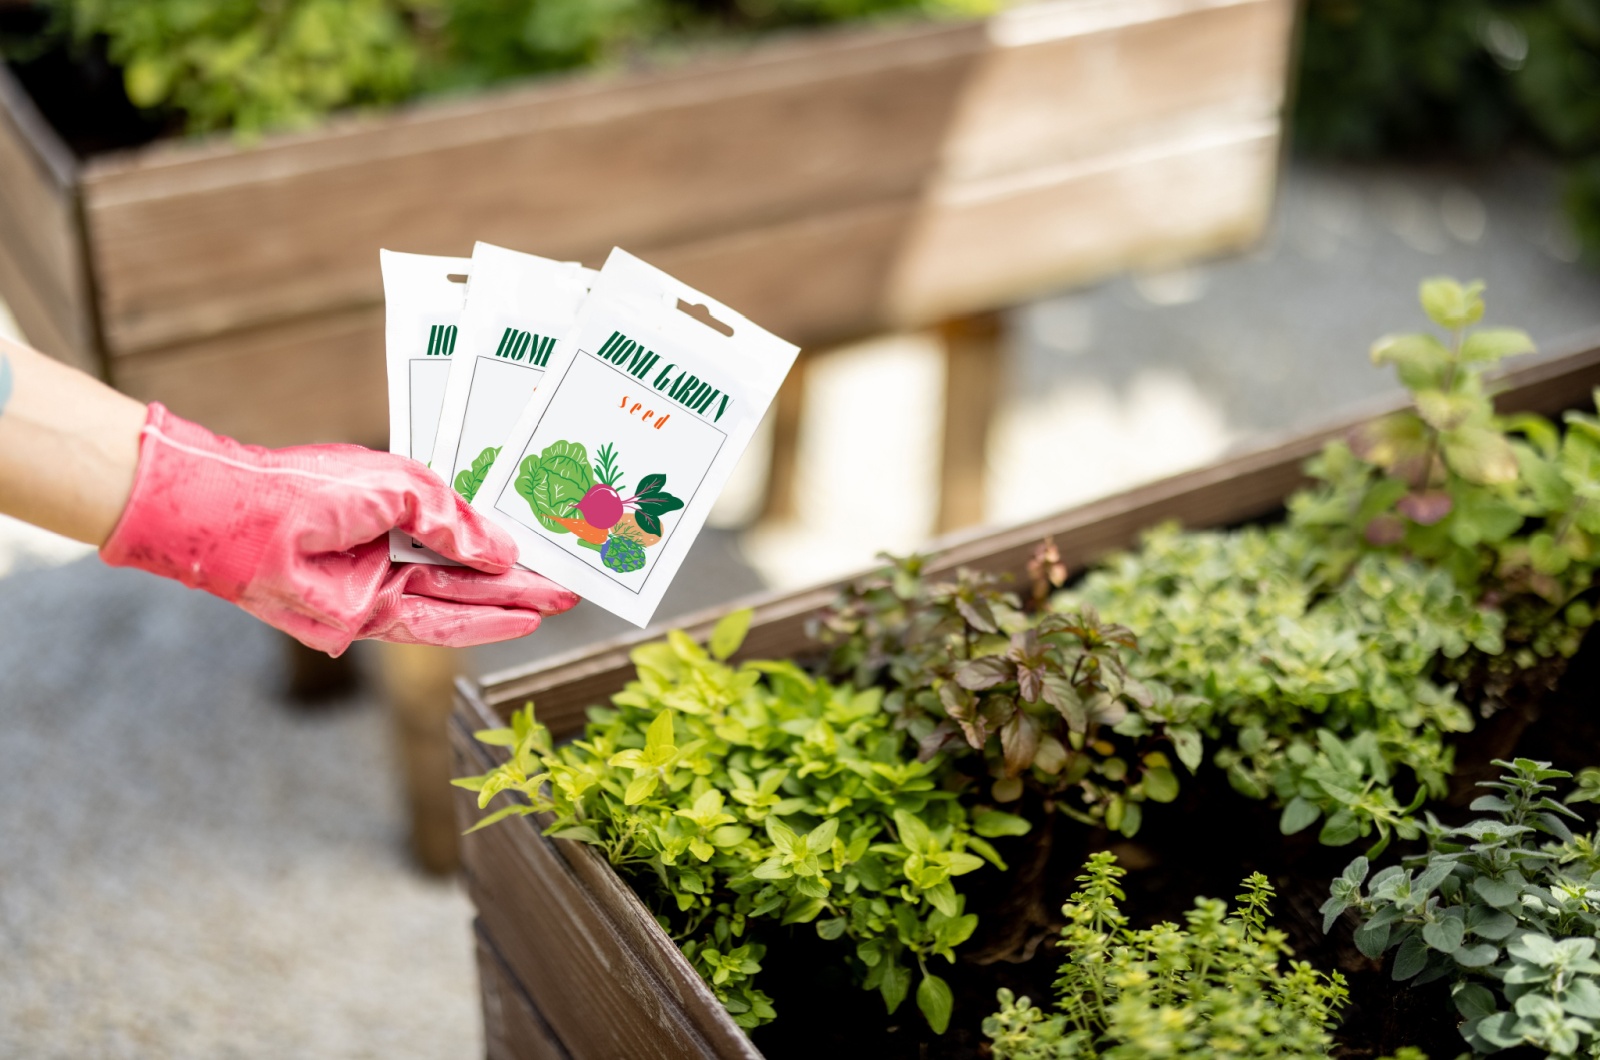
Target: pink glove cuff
[[185, 519]]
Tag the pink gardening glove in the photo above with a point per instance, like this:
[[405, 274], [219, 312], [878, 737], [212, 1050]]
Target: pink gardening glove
[[298, 538]]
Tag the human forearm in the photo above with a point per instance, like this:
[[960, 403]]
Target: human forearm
[[69, 445]]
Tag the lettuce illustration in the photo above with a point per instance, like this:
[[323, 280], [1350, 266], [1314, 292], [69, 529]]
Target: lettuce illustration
[[554, 482], [470, 481]]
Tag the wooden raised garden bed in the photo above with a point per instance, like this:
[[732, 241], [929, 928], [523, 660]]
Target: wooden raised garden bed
[[830, 185], [572, 963]]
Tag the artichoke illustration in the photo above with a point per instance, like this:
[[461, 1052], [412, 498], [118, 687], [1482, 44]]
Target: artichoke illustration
[[622, 553]]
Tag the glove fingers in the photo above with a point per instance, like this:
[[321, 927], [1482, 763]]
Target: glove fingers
[[515, 588], [425, 620], [440, 518]]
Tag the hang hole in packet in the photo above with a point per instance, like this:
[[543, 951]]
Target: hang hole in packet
[[611, 470], [518, 306], [423, 296]]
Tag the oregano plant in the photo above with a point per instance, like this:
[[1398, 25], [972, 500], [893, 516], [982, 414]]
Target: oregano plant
[[1507, 907], [742, 799]]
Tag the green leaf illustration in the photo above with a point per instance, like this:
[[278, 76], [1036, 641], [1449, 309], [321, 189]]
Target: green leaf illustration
[[470, 480], [554, 481]]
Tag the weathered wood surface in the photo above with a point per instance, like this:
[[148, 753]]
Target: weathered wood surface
[[317, 378], [926, 129], [1233, 490], [513, 1028], [42, 273], [579, 941]]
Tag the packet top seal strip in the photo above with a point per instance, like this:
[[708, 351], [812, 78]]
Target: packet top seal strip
[[518, 306], [422, 313], [613, 467]]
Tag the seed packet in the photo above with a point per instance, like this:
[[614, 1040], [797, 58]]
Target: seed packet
[[518, 305], [647, 405], [423, 297]]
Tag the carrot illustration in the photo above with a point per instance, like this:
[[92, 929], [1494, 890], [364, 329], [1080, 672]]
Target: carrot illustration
[[588, 533]]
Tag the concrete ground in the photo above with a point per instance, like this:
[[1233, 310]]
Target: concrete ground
[[191, 867]]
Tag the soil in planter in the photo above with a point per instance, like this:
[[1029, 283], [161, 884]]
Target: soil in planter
[[1203, 844], [77, 89]]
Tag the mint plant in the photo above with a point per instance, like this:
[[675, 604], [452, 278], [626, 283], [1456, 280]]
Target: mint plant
[[1507, 907], [740, 799], [1212, 988], [1042, 695]]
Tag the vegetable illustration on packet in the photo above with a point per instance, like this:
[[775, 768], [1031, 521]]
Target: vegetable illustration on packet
[[645, 407]]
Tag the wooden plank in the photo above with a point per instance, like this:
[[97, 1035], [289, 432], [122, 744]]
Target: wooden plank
[[571, 933], [42, 273], [997, 241], [199, 240], [1242, 487], [205, 240], [313, 379], [1064, 82], [974, 364], [513, 1028]]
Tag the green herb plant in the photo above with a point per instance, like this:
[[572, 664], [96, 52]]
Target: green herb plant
[[1041, 694], [740, 799], [1507, 907], [1319, 693], [1210, 989], [1506, 504]]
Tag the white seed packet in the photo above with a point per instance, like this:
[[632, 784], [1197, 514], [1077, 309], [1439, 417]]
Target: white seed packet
[[609, 473], [423, 296], [518, 306]]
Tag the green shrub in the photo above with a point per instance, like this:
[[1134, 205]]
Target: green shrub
[[1507, 907], [1310, 690], [1210, 989], [1394, 76], [737, 798], [253, 67], [1508, 505]]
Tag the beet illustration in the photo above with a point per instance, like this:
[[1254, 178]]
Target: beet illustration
[[601, 507]]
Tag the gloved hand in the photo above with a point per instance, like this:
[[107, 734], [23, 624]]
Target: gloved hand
[[298, 538]]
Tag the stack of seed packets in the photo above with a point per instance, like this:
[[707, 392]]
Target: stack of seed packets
[[596, 416]]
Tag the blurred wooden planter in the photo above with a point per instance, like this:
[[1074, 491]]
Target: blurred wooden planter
[[831, 185], [572, 964]]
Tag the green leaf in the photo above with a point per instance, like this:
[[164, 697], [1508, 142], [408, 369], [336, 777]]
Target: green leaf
[[470, 480], [1444, 934], [894, 985], [1421, 361], [1188, 745], [1298, 815], [832, 928], [648, 523], [992, 824], [651, 484], [1341, 828], [1490, 345], [1473, 1000], [1451, 304], [937, 1001], [501, 814], [1411, 958], [1160, 785], [658, 741], [1499, 893], [1481, 455], [1479, 955], [640, 788], [729, 633], [660, 504]]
